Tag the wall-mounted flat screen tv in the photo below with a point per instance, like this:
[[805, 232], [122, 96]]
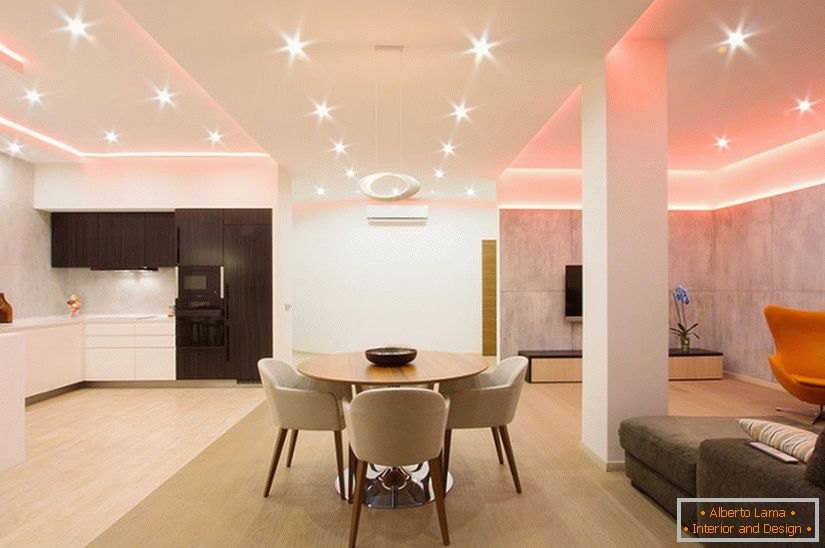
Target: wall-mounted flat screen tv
[[573, 292]]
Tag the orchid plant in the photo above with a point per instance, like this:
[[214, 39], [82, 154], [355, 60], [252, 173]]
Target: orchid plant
[[681, 299]]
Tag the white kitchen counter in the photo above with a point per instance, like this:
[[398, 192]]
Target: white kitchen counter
[[12, 399], [57, 321]]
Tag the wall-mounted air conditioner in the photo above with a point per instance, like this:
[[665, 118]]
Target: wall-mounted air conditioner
[[401, 213]]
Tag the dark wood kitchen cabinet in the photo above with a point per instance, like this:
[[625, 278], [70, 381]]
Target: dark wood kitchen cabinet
[[121, 241], [160, 245], [74, 240], [240, 240], [113, 241], [247, 216], [199, 237], [248, 297]]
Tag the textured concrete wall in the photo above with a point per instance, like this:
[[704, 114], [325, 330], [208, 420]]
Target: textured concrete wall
[[25, 274], [535, 245], [771, 251], [734, 261]]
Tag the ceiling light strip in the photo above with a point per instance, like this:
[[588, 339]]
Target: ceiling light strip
[[40, 136], [11, 58], [174, 154], [43, 138]]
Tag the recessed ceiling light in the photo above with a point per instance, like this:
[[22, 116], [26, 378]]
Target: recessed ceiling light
[[350, 173], [339, 147], [448, 148], [75, 26], [736, 38], [163, 96], [804, 105], [294, 46], [111, 136], [470, 192], [722, 142], [215, 136], [320, 191], [481, 47], [33, 96], [14, 148], [460, 111], [439, 174], [322, 111]]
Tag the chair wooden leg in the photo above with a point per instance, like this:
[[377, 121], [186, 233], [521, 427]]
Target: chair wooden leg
[[438, 487], [276, 456], [508, 448], [497, 441], [351, 474], [448, 439], [361, 474], [339, 460], [293, 439]]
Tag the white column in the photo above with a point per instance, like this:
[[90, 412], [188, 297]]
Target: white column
[[625, 244]]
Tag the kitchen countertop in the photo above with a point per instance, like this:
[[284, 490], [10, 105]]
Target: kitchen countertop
[[56, 321]]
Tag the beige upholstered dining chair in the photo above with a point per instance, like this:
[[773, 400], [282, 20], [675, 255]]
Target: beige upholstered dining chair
[[397, 427], [299, 403], [488, 400]]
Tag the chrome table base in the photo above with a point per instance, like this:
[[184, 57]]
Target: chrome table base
[[397, 487]]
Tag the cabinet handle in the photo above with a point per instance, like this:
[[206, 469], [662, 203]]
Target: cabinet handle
[[177, 245]]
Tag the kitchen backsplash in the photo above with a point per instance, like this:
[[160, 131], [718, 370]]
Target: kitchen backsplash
[[117, 292]]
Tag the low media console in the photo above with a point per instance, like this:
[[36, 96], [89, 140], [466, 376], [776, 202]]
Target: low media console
[[566, 365]]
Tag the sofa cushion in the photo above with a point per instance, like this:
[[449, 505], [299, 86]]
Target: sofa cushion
[[815, 471], [670, 445], [788, 439]]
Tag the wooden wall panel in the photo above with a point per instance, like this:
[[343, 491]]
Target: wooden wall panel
[[488, 297]]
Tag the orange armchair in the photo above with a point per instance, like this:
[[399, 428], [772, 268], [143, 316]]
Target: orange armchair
[[799, 362]]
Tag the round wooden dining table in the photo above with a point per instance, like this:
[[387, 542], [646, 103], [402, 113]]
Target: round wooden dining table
[[393, 487], [427, 368]]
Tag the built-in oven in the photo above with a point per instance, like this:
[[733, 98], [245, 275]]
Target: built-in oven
[[199, 308], [200, 283], [202, 328]]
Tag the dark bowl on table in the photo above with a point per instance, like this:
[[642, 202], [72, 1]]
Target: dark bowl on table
[[391, 356]]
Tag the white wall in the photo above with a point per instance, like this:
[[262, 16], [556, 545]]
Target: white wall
[[359, 285], [145, 184]]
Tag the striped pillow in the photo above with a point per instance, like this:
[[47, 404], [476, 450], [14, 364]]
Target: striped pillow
[[791, 441]]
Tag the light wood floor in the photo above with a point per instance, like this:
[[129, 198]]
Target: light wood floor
[[93, 454], [215, 500]]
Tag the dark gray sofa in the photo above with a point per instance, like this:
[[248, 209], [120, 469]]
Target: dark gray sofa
[[672, 457]]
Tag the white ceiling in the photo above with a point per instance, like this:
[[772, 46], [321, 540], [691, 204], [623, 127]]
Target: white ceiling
[[223, 62], [100, 83], [748, 95], [545, 50]]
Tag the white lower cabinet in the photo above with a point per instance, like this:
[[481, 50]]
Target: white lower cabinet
[[130, 351], [57, 356], [155, 364], [54, 358], [35, 361], [110, 364], [64, 356]]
